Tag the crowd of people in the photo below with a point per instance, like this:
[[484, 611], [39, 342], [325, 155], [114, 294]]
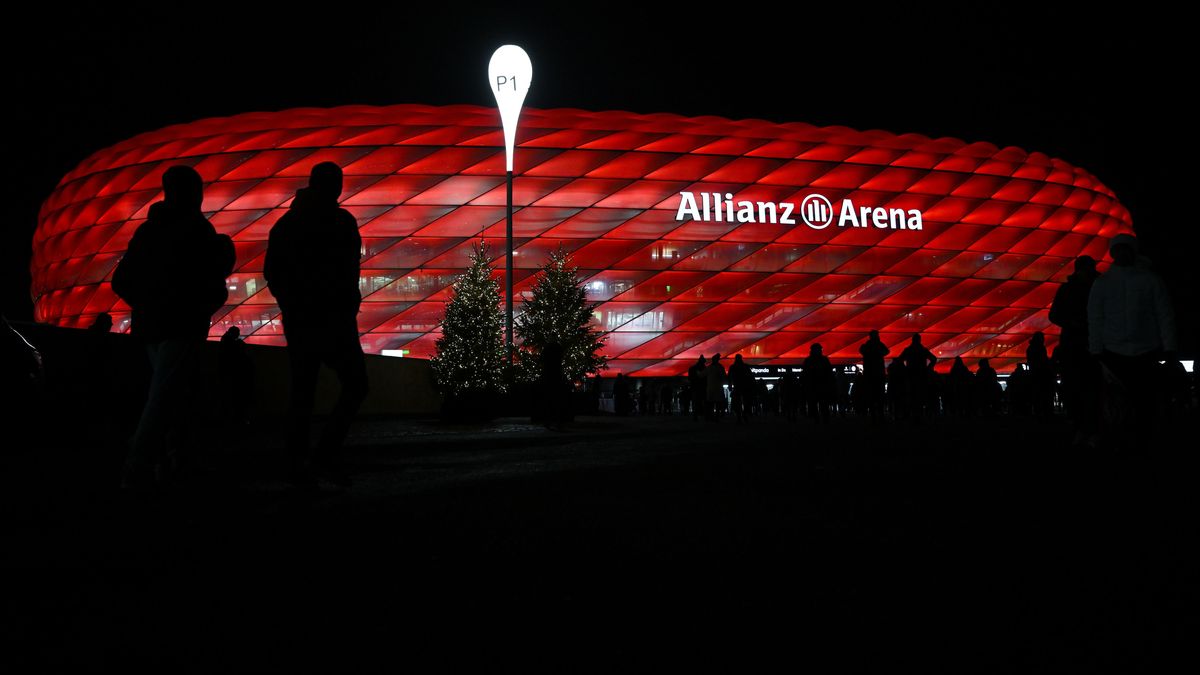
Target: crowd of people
[[1113, 370]]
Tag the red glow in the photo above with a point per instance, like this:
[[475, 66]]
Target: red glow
[[1001, 227]]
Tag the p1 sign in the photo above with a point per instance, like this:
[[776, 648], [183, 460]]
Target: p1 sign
[[509, 75]]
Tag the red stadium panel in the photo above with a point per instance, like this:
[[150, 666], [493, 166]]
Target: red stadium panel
[[696, 234]]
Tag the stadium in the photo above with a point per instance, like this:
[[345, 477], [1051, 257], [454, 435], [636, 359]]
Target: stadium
[[694, 235]]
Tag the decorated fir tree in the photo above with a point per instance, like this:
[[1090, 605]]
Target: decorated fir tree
[[470, 353], [558, 312]]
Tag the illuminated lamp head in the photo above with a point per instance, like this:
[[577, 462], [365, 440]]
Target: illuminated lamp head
[[1123, 249], [509, 75], [325, 181], [183, 188]]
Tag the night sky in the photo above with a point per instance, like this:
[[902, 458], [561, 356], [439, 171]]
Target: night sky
[[1105, 93]]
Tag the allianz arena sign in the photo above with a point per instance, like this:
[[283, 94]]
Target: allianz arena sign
[[815, 210]]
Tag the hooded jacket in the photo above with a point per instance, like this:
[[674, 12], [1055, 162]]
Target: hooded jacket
[[1130, 313], [173, 274]]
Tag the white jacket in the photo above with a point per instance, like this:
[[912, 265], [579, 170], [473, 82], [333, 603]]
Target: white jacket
[[1129, 313]]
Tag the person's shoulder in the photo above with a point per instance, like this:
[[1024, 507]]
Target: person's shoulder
[[285, 223], [346, 220]]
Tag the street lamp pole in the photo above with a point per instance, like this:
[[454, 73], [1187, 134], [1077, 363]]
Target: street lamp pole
[[509, 76]]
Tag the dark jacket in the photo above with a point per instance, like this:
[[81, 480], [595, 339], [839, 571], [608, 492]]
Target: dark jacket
[[173, 274], [312, 266], [1069, 311]]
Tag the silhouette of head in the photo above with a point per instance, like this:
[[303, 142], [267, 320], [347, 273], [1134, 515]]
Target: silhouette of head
[[716, 357], [102, 324], [916, 338], [1039, 338], [815, 349], [738, 358], [983, 363], [325, 183], [1123, 249], [874, 335], [958, 361], [183, 188], [700, 360], [1085, 264], [232, 334]]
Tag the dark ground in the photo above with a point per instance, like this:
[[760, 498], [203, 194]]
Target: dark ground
[[621, 545]]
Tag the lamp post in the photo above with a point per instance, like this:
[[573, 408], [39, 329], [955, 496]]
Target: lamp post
[[509, 76]]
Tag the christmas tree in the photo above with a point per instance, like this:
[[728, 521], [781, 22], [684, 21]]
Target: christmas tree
[[470, 353], [558, 312]]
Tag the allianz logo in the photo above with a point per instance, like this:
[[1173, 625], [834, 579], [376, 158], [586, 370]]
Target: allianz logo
[[816, 211]]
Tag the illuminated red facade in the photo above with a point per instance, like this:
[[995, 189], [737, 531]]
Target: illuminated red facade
[[1000, 227]]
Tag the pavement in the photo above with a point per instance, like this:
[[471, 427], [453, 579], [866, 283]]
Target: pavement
[[620, 544]]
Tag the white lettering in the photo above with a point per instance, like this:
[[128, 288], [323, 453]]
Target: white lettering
[[687, 207], [763, 209], [745, 212], [786, 218], [720, 207], [847, 215]]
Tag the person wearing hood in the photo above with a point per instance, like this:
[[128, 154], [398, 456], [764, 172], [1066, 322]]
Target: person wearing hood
[[173, 278], [1131, 326], [312, 269]]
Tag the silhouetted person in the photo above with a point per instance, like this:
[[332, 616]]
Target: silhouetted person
[[933, 391], [666, 398], [695, 377], [1041, 377], [553, 390], [959, 394], [237, 379], [621, 398], [819, 384], [103, 323], [1079, 369], [917, 362], [1131, 325], [1018, 391], [173, 278], [987, 388], [741, 380], [312, 269], [714, 388]]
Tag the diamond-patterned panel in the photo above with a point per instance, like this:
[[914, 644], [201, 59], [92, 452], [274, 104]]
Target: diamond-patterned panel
[[1000, 226]]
